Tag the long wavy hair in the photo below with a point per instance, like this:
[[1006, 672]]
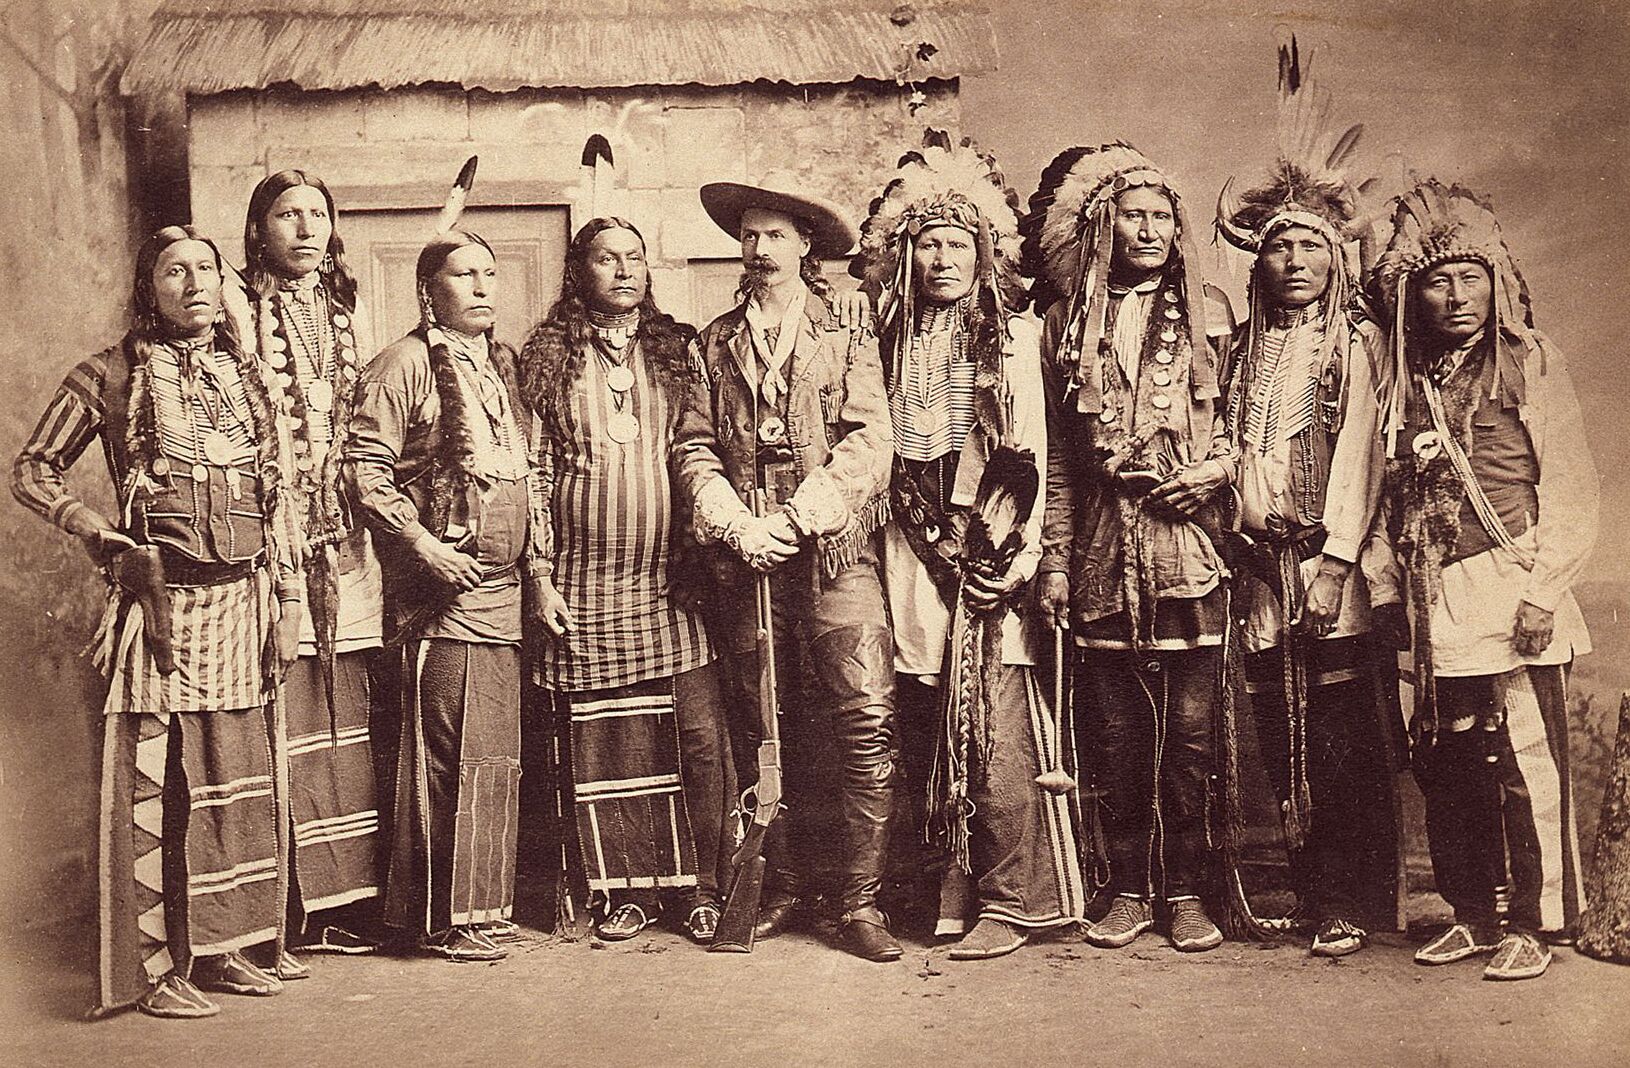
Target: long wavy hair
[[553, 356], [335, 271]]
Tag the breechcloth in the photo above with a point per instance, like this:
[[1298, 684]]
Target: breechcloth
[[332, 796], [1501, 831], [190, 844], [1153, 713], [457, 786]]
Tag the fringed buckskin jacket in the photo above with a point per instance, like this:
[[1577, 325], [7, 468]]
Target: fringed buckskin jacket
[[837, 424]]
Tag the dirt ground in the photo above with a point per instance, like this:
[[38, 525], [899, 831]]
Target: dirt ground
[[796, 1001]]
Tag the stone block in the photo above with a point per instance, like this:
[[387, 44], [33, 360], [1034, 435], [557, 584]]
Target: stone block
[[643, 208], [312, 118], [556, 165], [640, 146], [688, 233], [705, 145], [388, 164], [673, 292], [419, 113], [527, 116], [222, 131], [220, 196]]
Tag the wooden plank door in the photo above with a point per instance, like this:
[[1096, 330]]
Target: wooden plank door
[[529, 243]]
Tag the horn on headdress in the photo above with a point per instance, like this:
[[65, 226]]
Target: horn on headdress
[[456, 196], [1228, 205]]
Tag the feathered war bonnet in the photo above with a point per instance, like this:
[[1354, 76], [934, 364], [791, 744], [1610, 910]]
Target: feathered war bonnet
[[1434, 224], [1069, 238], [1308, 186], [941, 184], [944, 184]]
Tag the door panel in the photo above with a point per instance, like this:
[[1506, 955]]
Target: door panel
[[529, 243]]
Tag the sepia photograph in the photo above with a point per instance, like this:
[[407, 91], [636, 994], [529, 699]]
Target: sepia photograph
[[839, 533]]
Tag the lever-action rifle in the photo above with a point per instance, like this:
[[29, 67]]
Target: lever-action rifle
[[735, 933]]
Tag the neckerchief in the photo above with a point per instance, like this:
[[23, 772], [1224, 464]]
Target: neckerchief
[[771, 383], [1131, 319]]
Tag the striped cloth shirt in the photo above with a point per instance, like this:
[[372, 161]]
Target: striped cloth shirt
[[611, 508], [74, 417], [71, 422]]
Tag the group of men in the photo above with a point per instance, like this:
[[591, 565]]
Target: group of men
[[1028, 573]]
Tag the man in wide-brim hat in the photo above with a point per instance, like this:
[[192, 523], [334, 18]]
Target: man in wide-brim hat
[[793, 406]]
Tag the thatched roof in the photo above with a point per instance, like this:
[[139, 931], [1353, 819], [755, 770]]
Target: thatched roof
[[211, 46]]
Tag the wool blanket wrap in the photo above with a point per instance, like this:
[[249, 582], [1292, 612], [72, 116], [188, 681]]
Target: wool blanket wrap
[[332, 797], [632, 822], [1026, 870], [188, 859], [457, 786]]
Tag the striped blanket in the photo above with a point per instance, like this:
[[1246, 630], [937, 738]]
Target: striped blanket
[[631, 818], [190, 843]]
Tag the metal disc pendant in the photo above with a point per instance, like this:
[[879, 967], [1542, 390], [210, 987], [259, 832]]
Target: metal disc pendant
[[926, 421], [319, 396], [1162, 377], [199, 473], [1173, 314], [620, 378], [161, 466], [1168, 335], [1163, 356], [623, 428], [772, 431], [1161, 401], [218, 449]]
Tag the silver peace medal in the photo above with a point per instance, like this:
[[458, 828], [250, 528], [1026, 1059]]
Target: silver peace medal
[[620, 378], [623, 428], [218, 449], [926, 421], [319, 395]]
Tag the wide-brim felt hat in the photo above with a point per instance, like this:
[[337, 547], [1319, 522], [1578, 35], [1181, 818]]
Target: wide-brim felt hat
[[831, 234]]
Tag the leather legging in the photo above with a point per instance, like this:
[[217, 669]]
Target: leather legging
[[835, 675]]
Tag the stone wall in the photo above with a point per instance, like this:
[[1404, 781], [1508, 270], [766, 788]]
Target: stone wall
[[401, 148]]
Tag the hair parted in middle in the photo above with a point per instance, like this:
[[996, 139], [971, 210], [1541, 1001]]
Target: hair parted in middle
[[336, 272], [552, 358]]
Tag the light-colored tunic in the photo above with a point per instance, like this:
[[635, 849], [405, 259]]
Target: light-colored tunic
[[920, 616]]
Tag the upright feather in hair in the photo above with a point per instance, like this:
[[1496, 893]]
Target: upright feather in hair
[[457, 196]]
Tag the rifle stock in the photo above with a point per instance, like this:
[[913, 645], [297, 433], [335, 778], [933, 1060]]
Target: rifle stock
[[735, 933]]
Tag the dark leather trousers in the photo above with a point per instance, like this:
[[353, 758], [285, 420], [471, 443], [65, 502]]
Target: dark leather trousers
[[835, 676]]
